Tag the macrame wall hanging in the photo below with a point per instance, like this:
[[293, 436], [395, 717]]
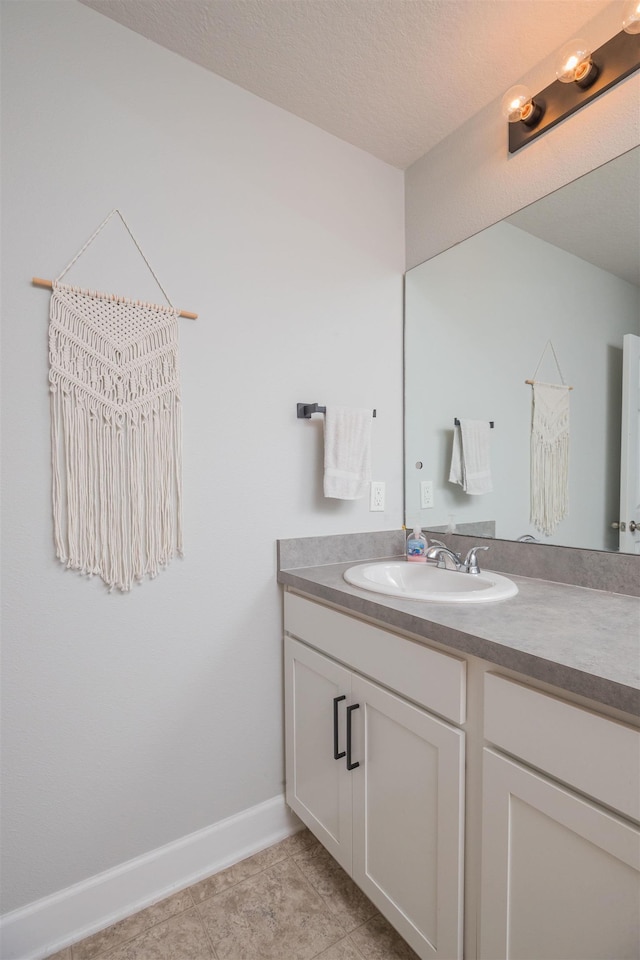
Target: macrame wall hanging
[[115, 430], [549, 450]]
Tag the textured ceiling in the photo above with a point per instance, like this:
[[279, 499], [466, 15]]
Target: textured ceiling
[[393, 77]]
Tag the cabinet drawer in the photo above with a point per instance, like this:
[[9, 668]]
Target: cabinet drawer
[[596, 755], [432, 679]]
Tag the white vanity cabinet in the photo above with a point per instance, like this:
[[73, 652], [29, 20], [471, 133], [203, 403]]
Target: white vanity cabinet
[[552, 788], [318, 788], [376, 777], [560, 860]]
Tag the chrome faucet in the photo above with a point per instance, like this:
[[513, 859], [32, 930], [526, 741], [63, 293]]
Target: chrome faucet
[[448, 560], [471, 561]]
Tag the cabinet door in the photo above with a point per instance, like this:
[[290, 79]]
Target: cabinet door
[[560, 875], [408, 808], [318, 785]]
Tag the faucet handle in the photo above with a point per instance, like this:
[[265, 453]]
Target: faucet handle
[[445, 558], [438, 543], [432, 550], [471, 560]]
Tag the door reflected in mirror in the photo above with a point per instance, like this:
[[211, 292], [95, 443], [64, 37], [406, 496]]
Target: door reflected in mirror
[[477, 318]]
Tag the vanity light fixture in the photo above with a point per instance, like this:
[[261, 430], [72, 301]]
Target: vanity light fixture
[[518, 104], [575, 64], [582, 75], [631, 22]]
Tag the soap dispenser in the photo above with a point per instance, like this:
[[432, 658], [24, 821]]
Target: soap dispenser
[[417, 546]]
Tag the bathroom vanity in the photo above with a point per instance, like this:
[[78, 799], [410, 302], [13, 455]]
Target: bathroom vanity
[[476, 771]]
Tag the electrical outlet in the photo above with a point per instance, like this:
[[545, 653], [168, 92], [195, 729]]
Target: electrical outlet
[[376, 500], [426, 494]]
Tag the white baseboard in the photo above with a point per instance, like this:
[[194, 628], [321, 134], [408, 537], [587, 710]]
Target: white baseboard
[[50, 924]]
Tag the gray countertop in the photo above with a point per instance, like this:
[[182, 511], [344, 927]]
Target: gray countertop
[[580, 640]]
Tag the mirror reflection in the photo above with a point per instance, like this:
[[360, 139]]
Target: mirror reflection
[[553, 294]]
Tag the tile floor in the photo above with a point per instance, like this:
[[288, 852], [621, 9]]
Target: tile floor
[[290, 902]]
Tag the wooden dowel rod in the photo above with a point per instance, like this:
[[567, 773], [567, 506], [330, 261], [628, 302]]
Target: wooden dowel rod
[[39, 282], [538, 381]]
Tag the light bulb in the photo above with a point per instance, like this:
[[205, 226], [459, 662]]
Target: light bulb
[[631, 22], [517, 104], [574, 64]]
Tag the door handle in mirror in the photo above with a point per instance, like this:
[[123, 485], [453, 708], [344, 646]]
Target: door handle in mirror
[[622, 526]]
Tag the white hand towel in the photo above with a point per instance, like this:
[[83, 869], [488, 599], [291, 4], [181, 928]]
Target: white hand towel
[[347, 452], [470, 462]]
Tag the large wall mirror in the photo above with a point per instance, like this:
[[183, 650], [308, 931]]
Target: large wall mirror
[[478, 317]]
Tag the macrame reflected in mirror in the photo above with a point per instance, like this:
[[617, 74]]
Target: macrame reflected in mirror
[[116, 433], [549, 491]]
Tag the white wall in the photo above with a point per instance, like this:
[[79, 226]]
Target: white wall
[[470, 181], [132, 720], [473, 337]]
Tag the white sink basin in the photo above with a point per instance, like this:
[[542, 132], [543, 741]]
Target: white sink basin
[[424, 581]]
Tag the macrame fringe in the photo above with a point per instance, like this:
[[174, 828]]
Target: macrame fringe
[[116, 444], [549, 457], [549, 473]]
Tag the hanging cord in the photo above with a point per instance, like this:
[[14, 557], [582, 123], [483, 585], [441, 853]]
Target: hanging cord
[[548, 344], [95, 234]]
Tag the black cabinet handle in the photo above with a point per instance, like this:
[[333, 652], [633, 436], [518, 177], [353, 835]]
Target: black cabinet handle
[[350, 765], [336, 754]]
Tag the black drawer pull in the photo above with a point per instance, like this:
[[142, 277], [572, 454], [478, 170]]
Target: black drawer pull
[[350, 765], [336, 754]]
